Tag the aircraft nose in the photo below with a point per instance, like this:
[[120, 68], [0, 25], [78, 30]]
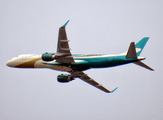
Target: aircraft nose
[[10, 63]]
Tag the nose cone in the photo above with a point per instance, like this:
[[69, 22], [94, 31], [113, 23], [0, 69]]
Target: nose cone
[[10, 63]]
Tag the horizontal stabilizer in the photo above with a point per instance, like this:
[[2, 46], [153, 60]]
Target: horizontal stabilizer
[[143, 65], [131, 51]]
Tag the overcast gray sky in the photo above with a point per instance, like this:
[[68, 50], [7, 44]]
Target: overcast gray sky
[[96, 26]]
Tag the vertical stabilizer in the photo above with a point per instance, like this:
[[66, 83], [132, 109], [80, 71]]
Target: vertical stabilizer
[[140, 45]]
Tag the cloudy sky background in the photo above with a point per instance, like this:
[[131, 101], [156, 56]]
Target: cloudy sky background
[[99, 26]]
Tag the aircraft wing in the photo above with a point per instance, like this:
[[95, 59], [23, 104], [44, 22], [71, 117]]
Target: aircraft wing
[[63, 54], [90, 81]]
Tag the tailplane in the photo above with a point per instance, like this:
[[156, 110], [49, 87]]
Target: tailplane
[[143, 65], [131, 53]]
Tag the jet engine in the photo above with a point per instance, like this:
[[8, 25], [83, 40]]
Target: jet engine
[[63, 78], [48, 56]]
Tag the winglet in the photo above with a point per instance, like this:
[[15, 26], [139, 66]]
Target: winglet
[[65, 24], [114, 90]]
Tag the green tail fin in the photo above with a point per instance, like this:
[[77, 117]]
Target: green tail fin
[[140, 45]]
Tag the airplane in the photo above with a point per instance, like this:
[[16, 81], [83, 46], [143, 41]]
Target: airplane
[[75, 64]]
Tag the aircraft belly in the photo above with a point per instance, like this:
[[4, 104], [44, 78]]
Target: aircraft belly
[[59, 67], [40, 64]]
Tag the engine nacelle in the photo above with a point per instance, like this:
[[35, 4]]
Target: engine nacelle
[[48, 56], [63, 78]]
